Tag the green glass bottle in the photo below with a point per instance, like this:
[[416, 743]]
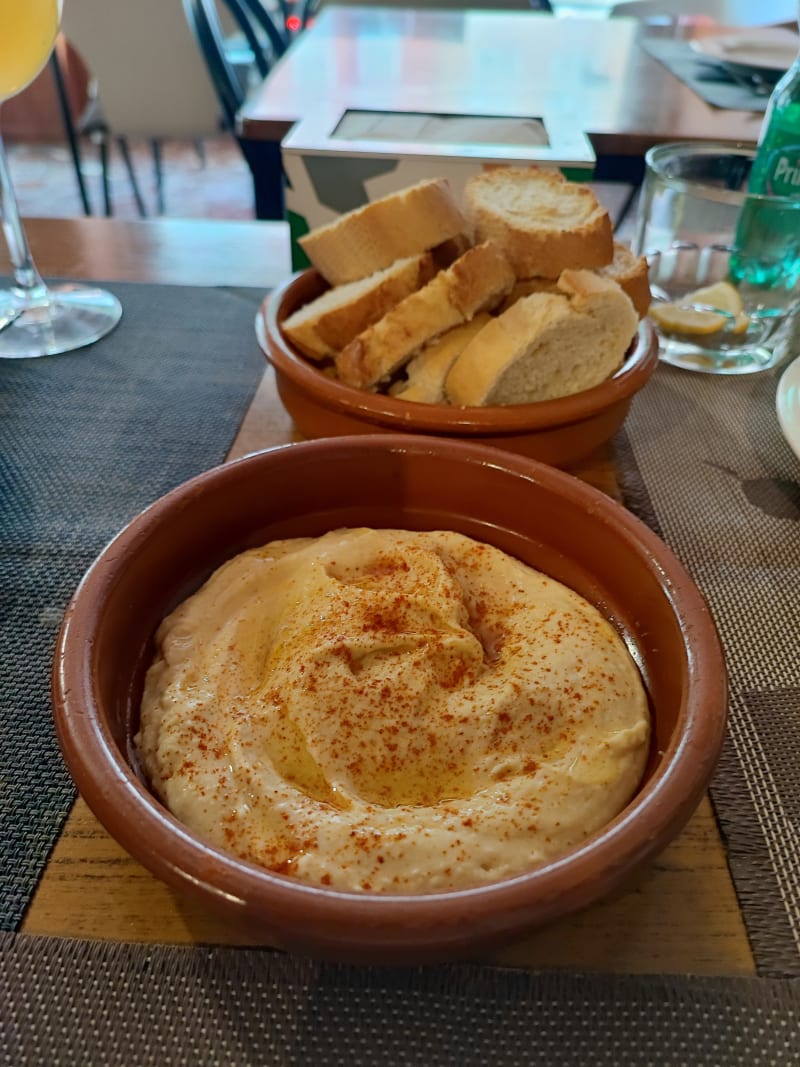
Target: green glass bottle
[[768, 234]]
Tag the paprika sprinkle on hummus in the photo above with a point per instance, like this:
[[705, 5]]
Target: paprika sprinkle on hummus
[[390, 711]]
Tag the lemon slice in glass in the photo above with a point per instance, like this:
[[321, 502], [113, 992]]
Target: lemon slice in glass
[[721, 295], [693, 314], [672, 318]]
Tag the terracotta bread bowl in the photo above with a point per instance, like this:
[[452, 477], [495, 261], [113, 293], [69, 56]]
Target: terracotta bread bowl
[[541, 515], [560, 432]]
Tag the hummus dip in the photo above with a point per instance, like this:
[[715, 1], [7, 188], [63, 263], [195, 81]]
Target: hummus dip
[[389, 711]]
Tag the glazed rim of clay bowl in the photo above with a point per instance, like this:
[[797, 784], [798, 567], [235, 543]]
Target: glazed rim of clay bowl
[[640, 362], [106, 643]]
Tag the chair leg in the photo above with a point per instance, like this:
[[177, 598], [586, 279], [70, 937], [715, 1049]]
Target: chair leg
[[69, 129], [158, 171], [200, 149], [126, 158], [266, 166], [102, 147]]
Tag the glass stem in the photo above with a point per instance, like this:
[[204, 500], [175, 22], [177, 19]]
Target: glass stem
[[28, 284]]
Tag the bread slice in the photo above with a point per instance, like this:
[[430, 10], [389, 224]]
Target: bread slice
[[547, 345], [323, 327], [544, 223], [428, 369], [476, 281], [448, 251], [630, 272], [626, 269], [526, 286], [372, 237]]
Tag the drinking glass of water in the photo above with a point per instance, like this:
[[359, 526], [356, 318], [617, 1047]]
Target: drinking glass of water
[[724, 262]]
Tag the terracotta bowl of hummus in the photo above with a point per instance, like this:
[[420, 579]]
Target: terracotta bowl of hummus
[[562, 432], [413, 858]]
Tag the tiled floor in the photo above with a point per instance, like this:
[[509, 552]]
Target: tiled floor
[[217, 187]]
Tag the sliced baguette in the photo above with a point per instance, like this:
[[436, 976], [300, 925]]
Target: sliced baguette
[[476, 281], [626, 269], [448, 251], [544, 223], [547, 345], [526, 286], [372, 237], [323, 327], [427, 371], [630, 272]]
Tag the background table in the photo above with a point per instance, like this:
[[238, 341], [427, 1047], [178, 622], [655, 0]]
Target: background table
[[590, 74], [731, 12]]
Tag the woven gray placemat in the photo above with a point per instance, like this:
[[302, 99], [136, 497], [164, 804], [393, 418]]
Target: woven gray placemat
[[82, 1002], [709, 80], [87, 440], [703, 462]]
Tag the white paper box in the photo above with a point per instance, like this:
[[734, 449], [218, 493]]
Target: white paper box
[[337, 161]]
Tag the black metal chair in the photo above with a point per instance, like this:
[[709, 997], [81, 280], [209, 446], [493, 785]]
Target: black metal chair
[[264, 41], [148, 82], [69, 129]]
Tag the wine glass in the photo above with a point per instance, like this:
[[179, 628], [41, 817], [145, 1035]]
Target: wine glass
[[37, 319]]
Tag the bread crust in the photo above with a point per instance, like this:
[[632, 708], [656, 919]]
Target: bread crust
[[476, 281], [526, 286], [373, 236], [323, 327], [426, 372], [544, 223], [546, 345], [631, 273]]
